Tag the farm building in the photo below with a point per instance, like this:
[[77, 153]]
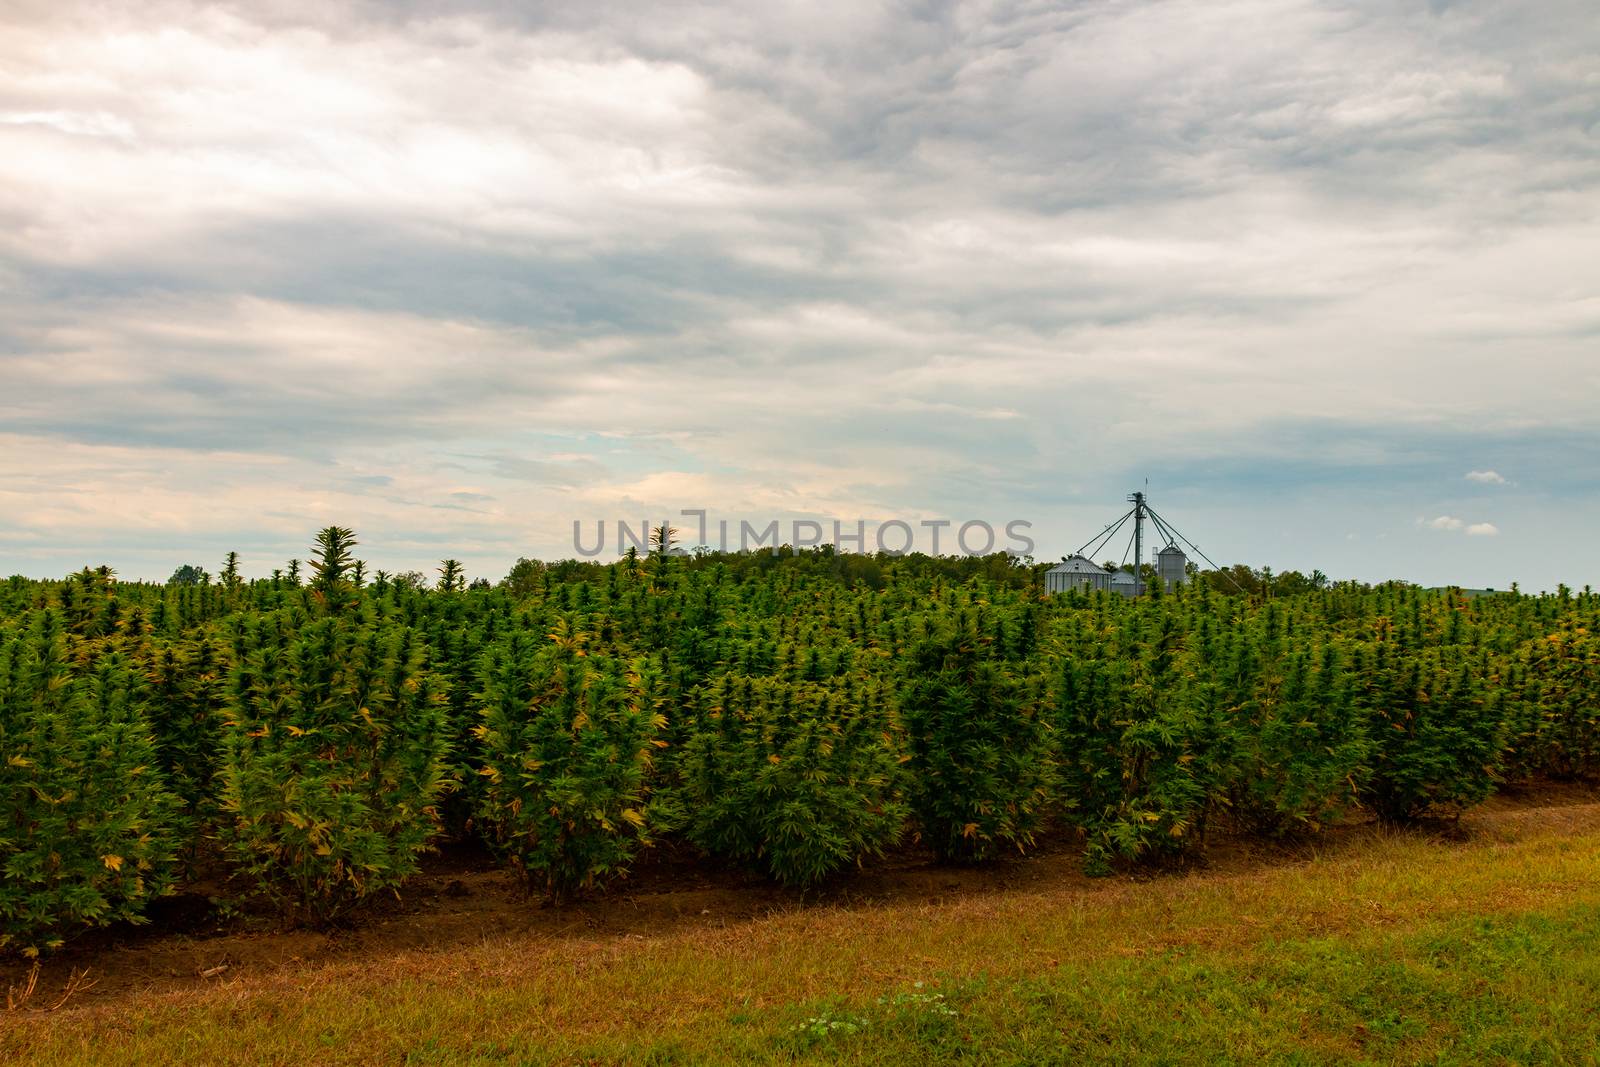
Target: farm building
[[1081, 572], [1076, 572]]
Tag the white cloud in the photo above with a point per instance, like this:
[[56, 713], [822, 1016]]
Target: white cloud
[[786, 257], [1456, 525]]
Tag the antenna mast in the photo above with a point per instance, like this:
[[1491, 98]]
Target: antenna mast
[[1137, 500]]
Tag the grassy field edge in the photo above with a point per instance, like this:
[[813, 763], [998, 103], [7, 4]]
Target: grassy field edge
[[1397, 948]]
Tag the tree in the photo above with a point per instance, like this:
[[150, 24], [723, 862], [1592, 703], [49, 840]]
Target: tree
[[524, 578], [189, 574]]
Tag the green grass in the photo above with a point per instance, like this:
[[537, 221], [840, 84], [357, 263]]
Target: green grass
[[1398, 949], [1511, 989]]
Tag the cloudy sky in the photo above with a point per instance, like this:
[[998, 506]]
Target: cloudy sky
[[1327, 275]]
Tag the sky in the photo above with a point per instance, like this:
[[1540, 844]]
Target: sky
[[1322, 278]]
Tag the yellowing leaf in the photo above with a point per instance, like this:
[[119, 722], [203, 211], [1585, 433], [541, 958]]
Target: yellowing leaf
[[113, 862]]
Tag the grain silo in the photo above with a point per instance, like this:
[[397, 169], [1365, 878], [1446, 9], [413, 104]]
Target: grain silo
[[1172, 566], [1076, 572]]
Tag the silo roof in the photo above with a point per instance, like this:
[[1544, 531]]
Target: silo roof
[[1077, 565]]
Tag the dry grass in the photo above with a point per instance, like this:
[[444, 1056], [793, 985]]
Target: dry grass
[[1334, 957]]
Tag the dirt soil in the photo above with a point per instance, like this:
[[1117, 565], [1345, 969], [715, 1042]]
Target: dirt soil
[[463, 896]]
